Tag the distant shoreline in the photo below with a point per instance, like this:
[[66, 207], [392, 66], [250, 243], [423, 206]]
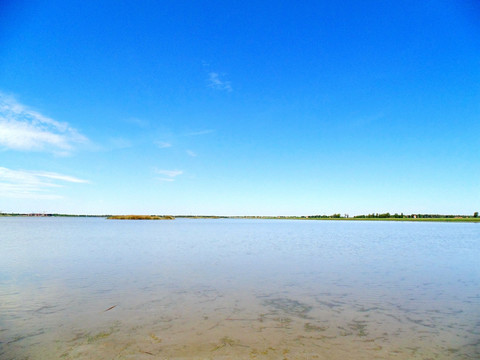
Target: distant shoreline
[[140, 217], [421, 218]]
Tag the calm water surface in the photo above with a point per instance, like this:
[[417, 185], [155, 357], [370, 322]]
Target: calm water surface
[[238, 289]]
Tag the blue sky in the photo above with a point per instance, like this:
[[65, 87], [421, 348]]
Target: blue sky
[[240, 107]]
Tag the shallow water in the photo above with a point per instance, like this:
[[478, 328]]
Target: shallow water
[[90, 288]]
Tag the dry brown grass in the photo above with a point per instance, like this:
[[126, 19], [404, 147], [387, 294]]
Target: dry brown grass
[[140, 217]]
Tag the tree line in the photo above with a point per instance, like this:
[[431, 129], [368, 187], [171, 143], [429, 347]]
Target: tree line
[[387, 215]]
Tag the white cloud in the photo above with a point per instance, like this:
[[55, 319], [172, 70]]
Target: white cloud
[[25, 129], [169, 173], [163, 144], [55, 176], [32, 184], [215, 82], [191, 153]]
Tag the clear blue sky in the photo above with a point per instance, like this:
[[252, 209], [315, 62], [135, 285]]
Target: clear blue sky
[[240, 107]]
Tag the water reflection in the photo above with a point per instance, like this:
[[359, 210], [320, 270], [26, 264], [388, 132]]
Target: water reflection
[[92, 288]]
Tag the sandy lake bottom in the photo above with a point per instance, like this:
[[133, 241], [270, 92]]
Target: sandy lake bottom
[[272, 290]]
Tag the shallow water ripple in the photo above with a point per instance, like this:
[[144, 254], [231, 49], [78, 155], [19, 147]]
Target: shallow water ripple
[[223, 289]]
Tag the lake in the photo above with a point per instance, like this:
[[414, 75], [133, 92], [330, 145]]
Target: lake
[[91, 288]]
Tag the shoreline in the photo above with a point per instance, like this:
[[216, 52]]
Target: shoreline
[[448, 218]]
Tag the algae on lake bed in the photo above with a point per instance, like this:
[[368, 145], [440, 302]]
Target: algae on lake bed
[[288, 306]]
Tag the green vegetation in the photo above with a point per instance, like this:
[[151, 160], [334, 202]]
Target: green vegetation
[[394, 217], [48, 215], [141, 217], [288, 306], [99, 336], [346, 217], [370, 217]]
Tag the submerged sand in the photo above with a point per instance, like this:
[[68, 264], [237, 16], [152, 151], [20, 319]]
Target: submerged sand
[[97, 289], [207, 323]]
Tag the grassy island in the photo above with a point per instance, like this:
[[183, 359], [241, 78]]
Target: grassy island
[[141, 217]]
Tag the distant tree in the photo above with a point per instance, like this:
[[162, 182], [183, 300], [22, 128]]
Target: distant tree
[[475, 214]]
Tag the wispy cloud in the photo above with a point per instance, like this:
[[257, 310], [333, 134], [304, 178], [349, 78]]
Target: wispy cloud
[[191, 153], [163, 144], [32, 184], [25, 129], [215, 82], [169, 173], [200, 132]]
